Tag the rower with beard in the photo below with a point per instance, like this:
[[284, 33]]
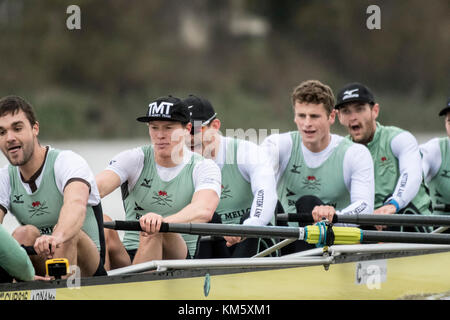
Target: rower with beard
[[436, 166], [399, 186], [248, 183], [160, 182], [51, 192], [319, 172]]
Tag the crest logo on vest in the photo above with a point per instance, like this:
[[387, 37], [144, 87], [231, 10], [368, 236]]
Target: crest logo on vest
[[226, 192], [311, 183], [162, 198], [38, 208]]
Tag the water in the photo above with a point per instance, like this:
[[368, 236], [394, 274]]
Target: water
[[99, 152]]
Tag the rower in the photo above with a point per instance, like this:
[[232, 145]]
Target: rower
[[51, 192], [14, 261], [399, 186], [324, 172], [248, 182], [436, 165], [161, 182]]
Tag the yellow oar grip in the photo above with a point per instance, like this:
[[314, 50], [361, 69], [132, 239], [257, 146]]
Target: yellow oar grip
[[342, 235]]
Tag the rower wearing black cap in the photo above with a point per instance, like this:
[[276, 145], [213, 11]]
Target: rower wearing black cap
[[436, 166], [248, 182], [160, 182], [319, 172], [399, 186]]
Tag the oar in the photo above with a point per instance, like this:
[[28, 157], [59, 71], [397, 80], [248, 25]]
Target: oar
[[374, 219], [311, 234]]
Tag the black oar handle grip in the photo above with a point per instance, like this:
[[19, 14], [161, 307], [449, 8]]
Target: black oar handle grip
[[303, 217], [131, 225], [30, 250]]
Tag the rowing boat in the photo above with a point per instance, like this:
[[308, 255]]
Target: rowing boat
[[367, 271], [338, 271]]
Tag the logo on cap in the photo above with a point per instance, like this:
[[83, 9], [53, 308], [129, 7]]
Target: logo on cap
[[350, 94], [163, 109]]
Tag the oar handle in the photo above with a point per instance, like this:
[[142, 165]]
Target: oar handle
[[30, 250], [303, 217], [130, 225]]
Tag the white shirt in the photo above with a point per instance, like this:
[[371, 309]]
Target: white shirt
[[357, 167], [129, 164], [431, 158], [405, 148], [68, 165], [255, 168]]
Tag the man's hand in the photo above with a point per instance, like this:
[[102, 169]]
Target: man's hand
[[46, 245], [322, 212], [151, 223], [233, 240], [386, 209]]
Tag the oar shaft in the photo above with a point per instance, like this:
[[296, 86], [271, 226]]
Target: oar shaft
[[374, 219], [405, 237], [212, 229]]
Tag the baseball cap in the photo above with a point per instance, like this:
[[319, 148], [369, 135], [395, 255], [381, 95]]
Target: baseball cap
[[167, 108], [446, 109], [200, 109], [354, 92]]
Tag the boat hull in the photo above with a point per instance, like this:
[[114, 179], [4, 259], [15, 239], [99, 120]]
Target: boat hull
[[391, 278]]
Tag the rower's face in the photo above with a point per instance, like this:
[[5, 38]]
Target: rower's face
[[166, 135], [360, 121], [313, 123], [447, 123], [17, 138]]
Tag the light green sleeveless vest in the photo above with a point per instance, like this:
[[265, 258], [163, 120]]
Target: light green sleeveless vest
[[325, 182], [41, 208], [237, 197], [151, 194], [440, 184], [386, 169]]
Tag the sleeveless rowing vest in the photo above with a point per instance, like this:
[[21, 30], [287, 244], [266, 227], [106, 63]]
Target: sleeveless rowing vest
[[325, 182], [41, 208], [237, 197], [440, 184], [386, 169], [151, 194]]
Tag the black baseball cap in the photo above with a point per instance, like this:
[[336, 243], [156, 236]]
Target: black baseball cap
[[167, 108], [446, 109], [201, 110], [354, 92]]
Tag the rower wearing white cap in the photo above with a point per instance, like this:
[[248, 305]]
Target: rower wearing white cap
[[436, 166], [160, 182], [399, 185]]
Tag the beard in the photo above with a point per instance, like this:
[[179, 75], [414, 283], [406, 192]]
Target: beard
[[23, 156]]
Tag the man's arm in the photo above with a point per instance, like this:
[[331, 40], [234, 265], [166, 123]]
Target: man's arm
[[71, 218], [107, 181], [406, 150], [431, 158], [256, 169]]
